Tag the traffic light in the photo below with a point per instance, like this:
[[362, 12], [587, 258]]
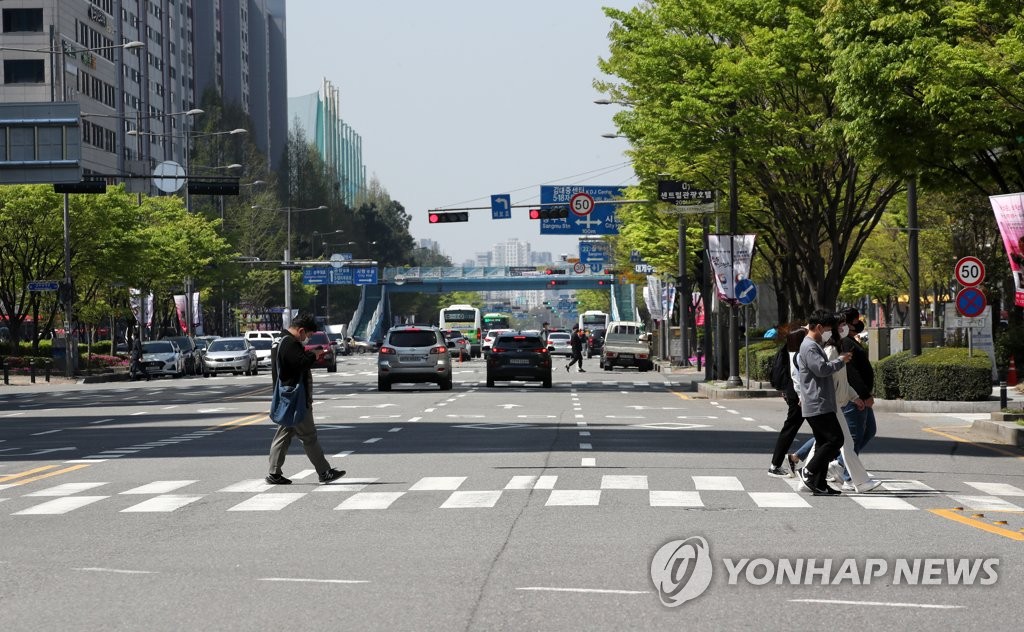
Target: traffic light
[[213, 187], [442, 217], [554, 212], [554, 283], [85, 186], [554, 271], [612, 271]]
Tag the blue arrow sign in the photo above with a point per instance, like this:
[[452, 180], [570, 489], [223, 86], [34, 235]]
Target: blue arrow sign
[[746, 291], [501, 206], [315, 276], [43, 286], [364, 276], [593, 252], [600, 221]]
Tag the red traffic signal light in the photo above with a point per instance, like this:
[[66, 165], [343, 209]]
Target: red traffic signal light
[[554, 212], [442, 217], [534, 213]]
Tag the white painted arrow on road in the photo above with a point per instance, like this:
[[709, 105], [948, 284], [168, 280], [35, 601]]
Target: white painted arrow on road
[[507, 406]]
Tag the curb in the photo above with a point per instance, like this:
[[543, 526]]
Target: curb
[[103, 378], [1000, 431]]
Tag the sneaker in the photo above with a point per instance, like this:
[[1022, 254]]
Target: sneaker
[[331, 475], [277, 479], [567, 368], [848, 486], [805, 478], [583, 371], [872, 483], [836, 472], [828, 491], [778, 472]]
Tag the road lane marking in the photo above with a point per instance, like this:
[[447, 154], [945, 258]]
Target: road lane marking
[[599, 591], [101, 421], [778, 499], [888, 503], [370, 500], [957, 516], [767, 428], [998, 489], [717, 483], [413, 420], [675, 499], [584, 433], [588, 462], [241, 421], [10, 477], [472, 500], [438, 483], [986, 503], [347, 485], [255, 485], [46, 432], [49, 474], [164, 503], [59, 506], [268, 502], [341, 455], [574, 498], [313, 581], [395, 430], [984, 446], [586, 446], [95, 569], [679, 395], [748, 419], [891, 604], [159, 487], [612, 481], [373, 440], [67, 489], [302, 474]]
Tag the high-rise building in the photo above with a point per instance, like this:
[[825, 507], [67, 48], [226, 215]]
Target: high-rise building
[[340, 147], [511, 253], [236, 47]]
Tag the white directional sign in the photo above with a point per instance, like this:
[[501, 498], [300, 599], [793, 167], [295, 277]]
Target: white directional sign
[[581, 204]]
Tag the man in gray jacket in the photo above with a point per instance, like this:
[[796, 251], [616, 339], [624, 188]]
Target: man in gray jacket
[[818, 400]]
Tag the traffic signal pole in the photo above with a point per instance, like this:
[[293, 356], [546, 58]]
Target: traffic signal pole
[[683, 291]]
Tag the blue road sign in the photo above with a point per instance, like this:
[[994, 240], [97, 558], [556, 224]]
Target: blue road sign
[[315, 276], [970, 302], [364, 276], [593, 252], [501, 206], [43, 286], [596, 268], [601, 221], [746, 291]]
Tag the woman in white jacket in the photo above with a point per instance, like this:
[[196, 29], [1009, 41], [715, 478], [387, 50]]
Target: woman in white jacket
[[859, 481]]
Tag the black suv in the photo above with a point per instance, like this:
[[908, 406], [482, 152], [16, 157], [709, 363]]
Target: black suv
[[519, 357], [595, 342]]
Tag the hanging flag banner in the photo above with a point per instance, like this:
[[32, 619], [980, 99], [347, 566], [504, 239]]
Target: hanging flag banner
[[179, 306], [652, 298], [1009, 211], [698, 309], [196, 326], [728, 272], [142, 308]]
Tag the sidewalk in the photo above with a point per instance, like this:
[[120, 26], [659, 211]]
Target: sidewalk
[[20, 379]]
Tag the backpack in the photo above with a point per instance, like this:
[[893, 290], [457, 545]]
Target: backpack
[[780, 377]]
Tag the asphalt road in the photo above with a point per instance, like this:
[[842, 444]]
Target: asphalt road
[[134, 506]]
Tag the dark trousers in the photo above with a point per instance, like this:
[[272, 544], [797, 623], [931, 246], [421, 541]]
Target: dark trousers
[[794, 419], [306, 432], [828, 441], [576, 357]]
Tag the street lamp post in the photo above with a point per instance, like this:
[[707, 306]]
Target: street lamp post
[[286, 319]]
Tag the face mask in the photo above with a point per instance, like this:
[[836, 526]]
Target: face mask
[[844, 331], [826, 335]]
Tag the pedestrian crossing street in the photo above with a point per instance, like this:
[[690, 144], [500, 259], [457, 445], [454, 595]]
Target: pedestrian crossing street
[[457, 492]]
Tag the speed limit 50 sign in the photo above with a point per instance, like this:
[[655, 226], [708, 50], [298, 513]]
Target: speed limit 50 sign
[[969, 271]]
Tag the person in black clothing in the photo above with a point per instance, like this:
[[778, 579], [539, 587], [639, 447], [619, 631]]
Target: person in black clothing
[[794, 334], [577, 341], [295, 364], [135, 367], [861, 377]]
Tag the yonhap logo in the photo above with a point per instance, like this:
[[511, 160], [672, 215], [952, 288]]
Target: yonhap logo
[[681, 570]]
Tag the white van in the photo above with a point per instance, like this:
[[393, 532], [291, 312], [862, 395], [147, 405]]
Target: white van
[[271, 335]]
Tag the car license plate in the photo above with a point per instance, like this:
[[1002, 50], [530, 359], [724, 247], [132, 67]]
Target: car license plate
[[411, 358], [626, 356], [518, 361]]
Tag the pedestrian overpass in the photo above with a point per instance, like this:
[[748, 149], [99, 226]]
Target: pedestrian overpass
[[373, 314]]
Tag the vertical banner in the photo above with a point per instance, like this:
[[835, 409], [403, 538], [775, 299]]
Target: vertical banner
[[142, 306], [698, 309], [197, 316], [653, 298], [727, 272], [179, 306], [1009, 211]]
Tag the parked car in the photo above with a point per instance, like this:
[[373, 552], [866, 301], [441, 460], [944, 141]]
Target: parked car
[[458, 345], [163, 357], [270, 334], [236, 355], [340, 344], [193, 359], [414, 354], [263, 348], [519, 357], [560, 343], [488, 339], [595, 342], [318, 340], [362, 345]]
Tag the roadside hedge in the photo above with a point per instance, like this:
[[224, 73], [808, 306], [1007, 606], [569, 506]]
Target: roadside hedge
[[761, 355], [942, 374]]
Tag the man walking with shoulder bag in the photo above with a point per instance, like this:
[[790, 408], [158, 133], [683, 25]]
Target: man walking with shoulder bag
[[291, 363]]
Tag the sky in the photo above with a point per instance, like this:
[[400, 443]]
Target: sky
[[457, 100]]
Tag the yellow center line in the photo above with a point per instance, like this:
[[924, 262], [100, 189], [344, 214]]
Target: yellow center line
[[49, 474], [250, 393], [9, 477], [977, 524], [679, 395], [980, 445], [241, 421]]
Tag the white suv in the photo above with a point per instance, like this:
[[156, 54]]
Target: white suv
[[270, 335]]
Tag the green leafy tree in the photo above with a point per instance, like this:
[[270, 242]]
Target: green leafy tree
[[705, 79]]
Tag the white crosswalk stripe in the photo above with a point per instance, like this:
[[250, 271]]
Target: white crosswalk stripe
[[60, 505], [67, 489], [163, 503], [159, 487], [268, 502]]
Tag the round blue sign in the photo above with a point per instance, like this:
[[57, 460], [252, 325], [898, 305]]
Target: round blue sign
[[746, 291], [970, 302]]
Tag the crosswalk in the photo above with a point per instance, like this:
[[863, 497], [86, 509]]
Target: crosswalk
[[709, 492]]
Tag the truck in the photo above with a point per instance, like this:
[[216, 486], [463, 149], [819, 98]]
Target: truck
[[626, 345]]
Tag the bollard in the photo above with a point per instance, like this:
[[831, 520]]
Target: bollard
[[32, 370], [7, 371], [47, 365], [1002, 395]]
